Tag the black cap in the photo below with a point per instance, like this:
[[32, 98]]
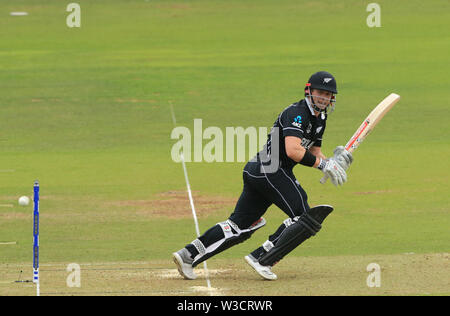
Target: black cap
[[323, 80]]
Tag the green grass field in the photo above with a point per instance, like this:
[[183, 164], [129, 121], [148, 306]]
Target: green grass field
[[86, 111]]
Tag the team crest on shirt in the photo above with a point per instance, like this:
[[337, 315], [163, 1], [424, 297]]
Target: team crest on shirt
[[297, 121]]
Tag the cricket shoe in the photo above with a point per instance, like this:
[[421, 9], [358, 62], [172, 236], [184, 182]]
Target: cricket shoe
[[264, 271], [183, 260]]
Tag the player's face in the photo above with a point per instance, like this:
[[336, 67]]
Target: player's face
[[321, 98]]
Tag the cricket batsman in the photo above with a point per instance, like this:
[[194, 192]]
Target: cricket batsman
[[296, 138]]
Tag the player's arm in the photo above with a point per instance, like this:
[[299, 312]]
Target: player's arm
[[329, 167], [298, 153], [317, 151]]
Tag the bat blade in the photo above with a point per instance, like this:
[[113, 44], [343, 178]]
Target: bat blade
[[371, 121], [369, 124]]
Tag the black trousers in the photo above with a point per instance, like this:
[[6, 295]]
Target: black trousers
[[261, 190]]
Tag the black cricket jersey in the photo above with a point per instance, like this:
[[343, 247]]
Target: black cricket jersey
[[297, 120]]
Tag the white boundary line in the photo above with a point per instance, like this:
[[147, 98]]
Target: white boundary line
[[191, 200]]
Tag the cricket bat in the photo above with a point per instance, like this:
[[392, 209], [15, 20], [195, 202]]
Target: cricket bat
[[369, 124]]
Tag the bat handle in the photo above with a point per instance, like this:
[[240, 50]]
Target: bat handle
[[324, 179]]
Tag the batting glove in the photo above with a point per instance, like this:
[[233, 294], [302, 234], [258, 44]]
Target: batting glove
[[343, 157], [333, 170]]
